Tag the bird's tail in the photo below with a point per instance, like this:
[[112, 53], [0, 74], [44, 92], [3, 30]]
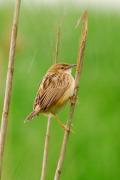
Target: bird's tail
[[31, 115]]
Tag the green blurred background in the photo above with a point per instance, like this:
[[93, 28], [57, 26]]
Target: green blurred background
[[93, 151]]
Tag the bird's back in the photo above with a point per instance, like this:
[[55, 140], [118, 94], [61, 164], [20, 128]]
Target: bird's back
[[54, 91]]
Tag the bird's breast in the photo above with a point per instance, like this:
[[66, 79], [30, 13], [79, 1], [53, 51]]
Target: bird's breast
[[68, 93]]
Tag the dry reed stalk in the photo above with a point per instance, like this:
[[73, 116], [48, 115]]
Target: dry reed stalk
[[9, 79], [84, 20], [0, 72], [45, 153], [57, 44], [47, 136]]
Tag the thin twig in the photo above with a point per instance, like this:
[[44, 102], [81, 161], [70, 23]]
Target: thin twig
[[47, 137], [9, 79], [72, 107]]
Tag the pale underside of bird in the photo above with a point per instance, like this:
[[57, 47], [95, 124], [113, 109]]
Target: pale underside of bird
[[55, 90]]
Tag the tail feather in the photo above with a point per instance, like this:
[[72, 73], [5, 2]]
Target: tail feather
[[31, 115]]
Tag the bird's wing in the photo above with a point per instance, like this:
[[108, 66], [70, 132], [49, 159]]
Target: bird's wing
[[52, 89]]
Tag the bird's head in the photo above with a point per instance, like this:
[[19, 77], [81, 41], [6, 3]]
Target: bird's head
[[62, 67]]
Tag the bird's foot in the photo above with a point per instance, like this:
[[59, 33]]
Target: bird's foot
[[72, 99], [68, 129]]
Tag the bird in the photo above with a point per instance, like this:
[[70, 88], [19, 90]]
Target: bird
[[55, 90]]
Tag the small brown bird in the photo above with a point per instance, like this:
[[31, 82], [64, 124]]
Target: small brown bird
[[56, 88]]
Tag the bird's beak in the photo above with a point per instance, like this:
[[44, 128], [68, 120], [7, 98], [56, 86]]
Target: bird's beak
[[72, 65]]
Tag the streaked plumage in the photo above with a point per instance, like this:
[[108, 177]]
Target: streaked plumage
[[54, 91]]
